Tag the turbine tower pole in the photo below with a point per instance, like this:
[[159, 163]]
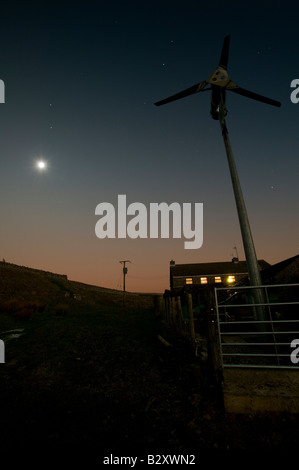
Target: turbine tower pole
[[250, 254], [220, 82]]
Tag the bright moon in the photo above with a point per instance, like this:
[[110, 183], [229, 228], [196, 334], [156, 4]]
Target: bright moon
[[41, 165]]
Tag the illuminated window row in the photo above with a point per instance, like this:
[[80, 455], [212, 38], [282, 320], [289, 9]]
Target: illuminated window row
[[217, 279]]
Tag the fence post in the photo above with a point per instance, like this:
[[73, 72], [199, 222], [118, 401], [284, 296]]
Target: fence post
[[168, 310], [190, 311], [172, 311], [179, 314], [166, 301], [212, 337]]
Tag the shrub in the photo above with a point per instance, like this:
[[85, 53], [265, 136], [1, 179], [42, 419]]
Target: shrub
[[40, 307], [61, 309], [25, 313], [21, 310], [9, 307]]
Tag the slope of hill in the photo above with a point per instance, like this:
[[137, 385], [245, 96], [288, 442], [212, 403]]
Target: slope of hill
[[86, 373], [25, 291]]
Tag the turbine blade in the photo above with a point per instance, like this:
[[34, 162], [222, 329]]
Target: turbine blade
[[255, 96], [224, 53], [183, 94]]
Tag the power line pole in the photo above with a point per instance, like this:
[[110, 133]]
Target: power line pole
[[125, 271]]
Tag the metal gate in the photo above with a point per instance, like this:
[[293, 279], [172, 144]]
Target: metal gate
[[258, 331]]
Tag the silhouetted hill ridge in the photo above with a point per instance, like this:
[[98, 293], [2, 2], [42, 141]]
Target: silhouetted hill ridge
[[23, 283]]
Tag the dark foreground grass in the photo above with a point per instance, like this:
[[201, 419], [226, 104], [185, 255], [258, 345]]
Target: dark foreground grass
[[95, 381], [91, 379]]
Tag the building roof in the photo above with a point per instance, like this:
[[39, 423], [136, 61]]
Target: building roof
[[269, 272], [213, 269]]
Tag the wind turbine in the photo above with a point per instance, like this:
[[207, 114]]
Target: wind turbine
[[220, 82]]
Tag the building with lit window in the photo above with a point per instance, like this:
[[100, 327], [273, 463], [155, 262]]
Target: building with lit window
[[214, 274], [200, 279]]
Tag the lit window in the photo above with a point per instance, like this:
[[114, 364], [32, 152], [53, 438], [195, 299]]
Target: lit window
[[231, 279], [189, 280], [203, 280], [217, 279]]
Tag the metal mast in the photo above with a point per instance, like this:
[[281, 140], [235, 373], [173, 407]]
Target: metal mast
[[219, 83], [252, 264], [249, 248]]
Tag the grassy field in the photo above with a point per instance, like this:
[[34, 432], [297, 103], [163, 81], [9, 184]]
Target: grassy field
[[88, 375]]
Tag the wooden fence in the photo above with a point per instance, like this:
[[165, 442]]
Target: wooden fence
[[197, 323]]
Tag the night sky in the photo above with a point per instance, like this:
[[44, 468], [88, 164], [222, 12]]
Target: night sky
[[81, 80]]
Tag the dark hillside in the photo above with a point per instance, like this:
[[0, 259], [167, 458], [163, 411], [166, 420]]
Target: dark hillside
[[25, 291], [86, 376]]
